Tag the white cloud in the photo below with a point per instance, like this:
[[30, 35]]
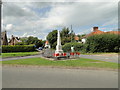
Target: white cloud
[[9, 26], [31, 18]]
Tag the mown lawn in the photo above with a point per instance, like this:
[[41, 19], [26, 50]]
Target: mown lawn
[[4, 55], [82, 62]]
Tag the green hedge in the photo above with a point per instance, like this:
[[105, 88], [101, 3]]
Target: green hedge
[[77, 46], [17, 48], [103, 43]]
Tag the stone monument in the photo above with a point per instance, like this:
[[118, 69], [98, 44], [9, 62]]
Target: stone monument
[[58, 46]]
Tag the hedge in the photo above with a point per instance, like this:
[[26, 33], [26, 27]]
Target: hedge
[[103, 43], [77, 46], [17, 48]]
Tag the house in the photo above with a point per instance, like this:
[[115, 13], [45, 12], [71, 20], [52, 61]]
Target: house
[[14, 40], [96, 31], [4, 40], [76, 38], [47, 45]]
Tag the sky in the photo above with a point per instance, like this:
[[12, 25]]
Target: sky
[[38, 18]]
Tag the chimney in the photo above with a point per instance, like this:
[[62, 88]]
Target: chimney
[[95, 29]]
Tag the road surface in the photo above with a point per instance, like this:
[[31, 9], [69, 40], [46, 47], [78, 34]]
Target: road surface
[[34, 77]]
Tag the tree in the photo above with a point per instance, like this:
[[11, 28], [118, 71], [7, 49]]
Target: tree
[[39, 43], [24, 40], [52, 38], [32, 40], [65, 32], [72, 35], [80, 36], [66, 37]]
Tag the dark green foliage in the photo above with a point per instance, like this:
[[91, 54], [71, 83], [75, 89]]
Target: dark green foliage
[[39, 43], [52, 38], [20, 43], [80, 36], [103, 43], [77, 47], [32, 40], [24, 40], [66, 37], [17, 48]]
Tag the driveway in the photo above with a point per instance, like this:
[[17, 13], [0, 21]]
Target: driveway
[[34, 77]]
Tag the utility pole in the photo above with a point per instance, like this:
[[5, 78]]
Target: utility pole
[[71, 33]]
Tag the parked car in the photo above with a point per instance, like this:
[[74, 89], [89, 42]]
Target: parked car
[[40, 48]]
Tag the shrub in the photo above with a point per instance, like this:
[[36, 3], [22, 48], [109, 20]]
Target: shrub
[[17, 48], [103, 43], [77, 47], [20, 43]]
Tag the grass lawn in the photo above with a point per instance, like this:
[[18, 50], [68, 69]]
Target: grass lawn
[[16, 54], [82, 62]]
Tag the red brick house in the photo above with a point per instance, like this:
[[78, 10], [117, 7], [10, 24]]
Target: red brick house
[[96, 31]]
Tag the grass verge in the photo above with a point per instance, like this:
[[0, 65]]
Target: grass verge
[[82, 62], [6, 55]]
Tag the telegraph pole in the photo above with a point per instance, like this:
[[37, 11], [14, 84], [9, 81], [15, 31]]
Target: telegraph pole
[[71, 33]]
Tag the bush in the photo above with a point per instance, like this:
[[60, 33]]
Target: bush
[[20, 43], [17, 48], [103, 43], [77, 47]]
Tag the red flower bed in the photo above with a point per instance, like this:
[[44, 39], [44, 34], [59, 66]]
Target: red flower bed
[[72, 53], [56, 54], [77, 53], [64, 54]]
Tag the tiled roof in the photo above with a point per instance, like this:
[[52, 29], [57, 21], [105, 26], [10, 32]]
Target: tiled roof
[[96, 32], [76, 38], [114, 32], [46, 42]]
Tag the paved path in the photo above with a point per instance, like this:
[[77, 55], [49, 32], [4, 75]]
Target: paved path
[[102, 58], [24, 57], [34, 77], [96, 57]]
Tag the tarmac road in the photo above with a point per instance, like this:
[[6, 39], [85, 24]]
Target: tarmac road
[[36, 77]]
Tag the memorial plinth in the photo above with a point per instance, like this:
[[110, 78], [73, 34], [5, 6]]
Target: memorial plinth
[[58, 46]]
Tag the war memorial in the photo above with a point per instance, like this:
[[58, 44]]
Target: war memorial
[[59, 54]]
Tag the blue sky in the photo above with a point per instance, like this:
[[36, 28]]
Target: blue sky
[[25, 19]]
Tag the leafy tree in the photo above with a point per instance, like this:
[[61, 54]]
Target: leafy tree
[[52, 38], [66, 37], [80, 36], [65, 32], [72, 35], [32, 40], [39, 43], [24, 41]]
